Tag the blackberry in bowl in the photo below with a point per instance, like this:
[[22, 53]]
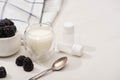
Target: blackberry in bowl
[[7, 28], [9, 38]]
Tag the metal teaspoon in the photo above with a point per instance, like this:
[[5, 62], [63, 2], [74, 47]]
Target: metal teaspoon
[[57, 65]]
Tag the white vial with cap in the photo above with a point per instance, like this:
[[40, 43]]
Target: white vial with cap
[[67, 43], [68, 33]]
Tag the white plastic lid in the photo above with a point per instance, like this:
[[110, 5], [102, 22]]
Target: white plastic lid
[[68, 27], [77, 50]]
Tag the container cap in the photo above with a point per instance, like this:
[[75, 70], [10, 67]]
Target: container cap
[[68, 27], [77, 50]]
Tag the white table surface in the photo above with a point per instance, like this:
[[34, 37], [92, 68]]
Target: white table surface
[[97, 26]]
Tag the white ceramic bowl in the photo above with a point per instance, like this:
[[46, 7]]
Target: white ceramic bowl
[[9, 46]]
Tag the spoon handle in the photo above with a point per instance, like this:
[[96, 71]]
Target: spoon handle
[[40, 74]]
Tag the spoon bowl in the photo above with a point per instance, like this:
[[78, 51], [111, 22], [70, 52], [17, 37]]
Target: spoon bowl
[[59, 64]]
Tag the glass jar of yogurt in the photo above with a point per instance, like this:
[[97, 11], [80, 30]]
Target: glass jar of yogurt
[[39, 41]]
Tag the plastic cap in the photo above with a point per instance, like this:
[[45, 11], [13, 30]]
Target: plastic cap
[[68, 27], [77, 50]]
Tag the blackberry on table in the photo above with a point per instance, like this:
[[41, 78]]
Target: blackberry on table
[[3, 72], [28, 64], [19, 60]]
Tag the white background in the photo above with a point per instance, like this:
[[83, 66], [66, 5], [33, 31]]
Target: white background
[[97, 26]]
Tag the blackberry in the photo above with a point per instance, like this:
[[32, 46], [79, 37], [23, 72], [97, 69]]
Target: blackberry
[[2, 24], [7, 28], [9, 31], [19, 60], [1, 33], [7, 22], [28, 64], [2, 72]]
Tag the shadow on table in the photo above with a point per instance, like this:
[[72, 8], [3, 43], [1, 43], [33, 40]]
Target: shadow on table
[[74, 62]]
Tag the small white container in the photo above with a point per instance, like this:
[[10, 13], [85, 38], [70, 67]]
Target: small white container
[[71, 49], [9, 46], [68, 33]]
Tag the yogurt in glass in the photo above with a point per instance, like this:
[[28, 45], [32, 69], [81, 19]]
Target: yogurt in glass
[[39, 41]]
